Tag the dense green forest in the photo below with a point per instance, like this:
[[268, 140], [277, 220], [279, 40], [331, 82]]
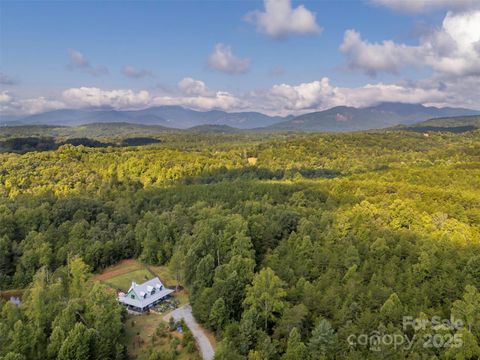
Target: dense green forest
[[452, 122], [293, 246], [457, 124]]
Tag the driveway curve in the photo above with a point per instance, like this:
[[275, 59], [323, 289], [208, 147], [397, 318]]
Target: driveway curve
[[185, 313]]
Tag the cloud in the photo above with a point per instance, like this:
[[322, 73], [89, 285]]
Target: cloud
[[135, 73], [222, 59], [191, 93], [421, 6], [77, 61], [189, 86], [321, 94], [375, 57], [280, 99], [6, 80], [461, 32], [195, 94], [218, 100], [98, 98], [279, 19], [451, 50], [313, 95], [9, 104], [5, 97]]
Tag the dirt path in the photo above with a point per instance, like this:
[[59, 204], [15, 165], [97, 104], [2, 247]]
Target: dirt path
[[185, 312]]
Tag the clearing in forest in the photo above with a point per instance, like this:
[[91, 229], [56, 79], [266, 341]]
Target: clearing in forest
[[148, 332], [121, 275]]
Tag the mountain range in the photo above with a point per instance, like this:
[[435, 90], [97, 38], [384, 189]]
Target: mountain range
[[169, 116], [337, 119], [344, 118]]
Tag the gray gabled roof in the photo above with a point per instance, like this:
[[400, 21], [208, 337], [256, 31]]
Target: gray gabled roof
[[144, 294]]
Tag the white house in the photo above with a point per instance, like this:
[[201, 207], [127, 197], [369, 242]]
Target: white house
[[141, 297]]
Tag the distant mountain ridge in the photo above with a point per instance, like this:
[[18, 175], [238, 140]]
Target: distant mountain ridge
[[337, 119], [446, 124], [456, 121], [169, 116], [344, 118]]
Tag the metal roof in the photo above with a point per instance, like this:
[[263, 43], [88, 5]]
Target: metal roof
[[144, 293]]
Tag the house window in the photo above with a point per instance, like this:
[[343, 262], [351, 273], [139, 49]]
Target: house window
[[132, 296]]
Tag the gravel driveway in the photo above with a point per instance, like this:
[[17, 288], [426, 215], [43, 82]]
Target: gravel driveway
[[185, 312]]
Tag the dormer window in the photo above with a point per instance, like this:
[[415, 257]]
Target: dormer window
[[144, 296]]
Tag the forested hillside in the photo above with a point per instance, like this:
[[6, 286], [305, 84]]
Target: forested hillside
[[452, 124], [292, 246]]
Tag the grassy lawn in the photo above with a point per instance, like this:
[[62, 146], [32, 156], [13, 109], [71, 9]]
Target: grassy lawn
[[168, 279], [124, 281], [121, 275], [164, 274], [141, 329], [141, 337]]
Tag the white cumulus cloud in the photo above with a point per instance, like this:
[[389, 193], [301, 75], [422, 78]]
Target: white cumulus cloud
[[189, 86], [322, 94], [279, 19], [5, 97], [280, 99], [116, 99], [419, 6], [462, 32], [449, 50], [194, 94], [306, 96], [9, 104], [375, 57], [222, 59], [219, 100]]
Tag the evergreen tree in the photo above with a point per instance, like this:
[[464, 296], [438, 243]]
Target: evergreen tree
[[322, 340], [266, 295], [296, 349]]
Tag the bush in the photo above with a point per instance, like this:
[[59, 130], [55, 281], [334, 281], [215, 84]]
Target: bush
[[172, 324], [191, 347], [160, 331], [174, 344]]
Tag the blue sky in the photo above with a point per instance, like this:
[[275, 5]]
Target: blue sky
[[285, 58]]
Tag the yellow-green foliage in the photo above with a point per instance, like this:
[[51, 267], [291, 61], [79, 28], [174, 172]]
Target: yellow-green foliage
[[358, 230]]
